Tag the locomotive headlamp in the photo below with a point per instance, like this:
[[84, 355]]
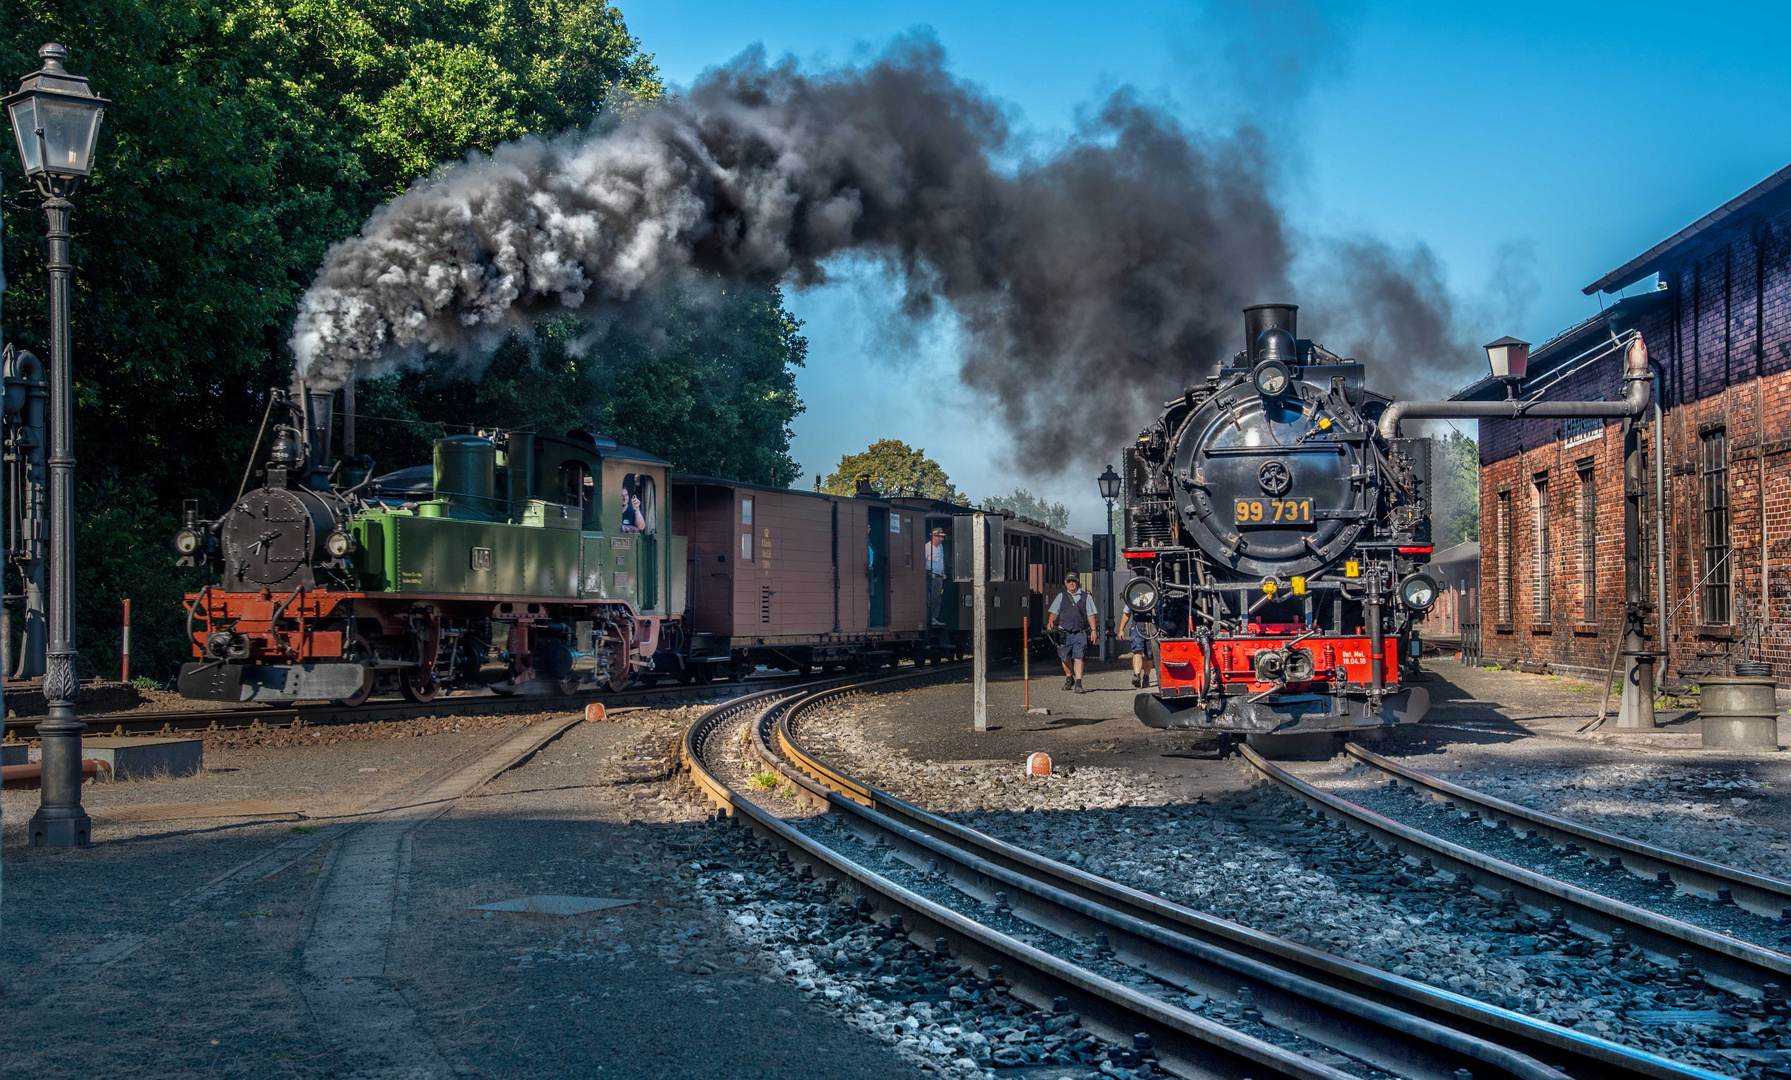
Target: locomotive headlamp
[[1272, 378], [1418, 592], [339, 544], [186, 542], [1140, 595]]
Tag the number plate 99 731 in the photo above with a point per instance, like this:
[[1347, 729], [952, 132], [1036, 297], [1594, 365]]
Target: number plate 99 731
[[1274, 511]]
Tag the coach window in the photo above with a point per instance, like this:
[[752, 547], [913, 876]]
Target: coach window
[[1507, 578], [1588, 545], [1544, 608], [1715, 463]]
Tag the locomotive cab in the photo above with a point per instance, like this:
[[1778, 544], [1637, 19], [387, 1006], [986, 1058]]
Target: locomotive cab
[[1279, 541]]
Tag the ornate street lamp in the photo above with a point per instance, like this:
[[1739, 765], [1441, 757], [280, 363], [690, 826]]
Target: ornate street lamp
[[56, 119], [1109, 482]]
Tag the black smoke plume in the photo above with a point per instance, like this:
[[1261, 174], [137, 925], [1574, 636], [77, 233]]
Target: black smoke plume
[[1090, 281]]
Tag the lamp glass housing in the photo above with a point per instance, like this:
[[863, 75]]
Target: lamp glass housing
[[1508, 358], [69, 127], [1109, 482]]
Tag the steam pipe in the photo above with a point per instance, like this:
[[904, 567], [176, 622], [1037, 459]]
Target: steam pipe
[[1638, 382], [27, 398]]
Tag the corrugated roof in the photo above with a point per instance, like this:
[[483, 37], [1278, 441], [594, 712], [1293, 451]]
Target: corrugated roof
[[1768, 195]]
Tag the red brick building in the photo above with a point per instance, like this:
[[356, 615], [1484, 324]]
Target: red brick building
[[1713, 304]]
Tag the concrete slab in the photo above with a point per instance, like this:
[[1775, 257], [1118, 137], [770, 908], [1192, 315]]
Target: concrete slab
[[139, 759], [14, 754], [195, 810]]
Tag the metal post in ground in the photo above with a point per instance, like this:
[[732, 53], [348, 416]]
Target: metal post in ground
[[1026, 660], [979, 639], [124, 675], [1637, 710]]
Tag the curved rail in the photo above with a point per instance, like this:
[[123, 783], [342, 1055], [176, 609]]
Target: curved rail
[[1762, 895], [1363, 1011], [1186, 1043], [1736, 966]]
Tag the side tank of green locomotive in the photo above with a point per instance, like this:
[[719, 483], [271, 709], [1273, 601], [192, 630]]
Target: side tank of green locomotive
[[522, 516]]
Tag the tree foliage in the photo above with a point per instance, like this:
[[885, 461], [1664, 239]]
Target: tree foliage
[[1028, 505], [892, 468], [1455, 480], [246, 136]]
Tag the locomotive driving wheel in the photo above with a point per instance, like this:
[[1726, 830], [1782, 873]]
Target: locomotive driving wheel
[[419, 686]]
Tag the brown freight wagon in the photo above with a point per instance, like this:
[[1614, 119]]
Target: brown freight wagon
[[799, 580]]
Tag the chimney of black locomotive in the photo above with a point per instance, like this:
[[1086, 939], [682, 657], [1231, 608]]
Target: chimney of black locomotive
[[319, 407], [1270, 333]]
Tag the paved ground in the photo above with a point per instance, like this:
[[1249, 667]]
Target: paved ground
[[115, 961]]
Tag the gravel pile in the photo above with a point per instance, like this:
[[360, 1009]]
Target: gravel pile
[[1261, 862], [944, 787], [1709, 812]]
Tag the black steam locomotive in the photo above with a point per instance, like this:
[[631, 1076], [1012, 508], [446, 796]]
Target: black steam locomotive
[[1277, 542]]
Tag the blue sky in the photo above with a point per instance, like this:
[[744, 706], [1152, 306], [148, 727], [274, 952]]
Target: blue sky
[[1530, 146]]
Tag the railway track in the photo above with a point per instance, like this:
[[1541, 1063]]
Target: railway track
[[484, 704], [1294, 1011], [1737, 966], [1765, 896]]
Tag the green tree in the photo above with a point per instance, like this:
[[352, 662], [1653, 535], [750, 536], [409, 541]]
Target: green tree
[[1455, 483], [246, 136], [1028, 505], [892, 468]]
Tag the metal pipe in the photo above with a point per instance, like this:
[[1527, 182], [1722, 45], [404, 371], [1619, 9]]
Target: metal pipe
[[1638, 382], [27, 397], [1377, 642], [1660, 517]]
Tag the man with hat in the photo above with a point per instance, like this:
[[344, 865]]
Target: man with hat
[[935, 575], [1073, 611]]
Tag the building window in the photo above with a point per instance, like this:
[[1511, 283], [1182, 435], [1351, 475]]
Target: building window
[[1715, 461], [1544, 610], [1507, 588], [1588, 545]]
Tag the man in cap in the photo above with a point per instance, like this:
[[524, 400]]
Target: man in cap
[[935, 575], [1073, 611]]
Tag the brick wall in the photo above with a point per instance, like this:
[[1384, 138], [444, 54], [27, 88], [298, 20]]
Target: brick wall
[[1723, 341]]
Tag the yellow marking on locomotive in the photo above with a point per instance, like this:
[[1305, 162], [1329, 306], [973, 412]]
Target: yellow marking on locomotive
[[1352, 568], [1299, 586], [1269, 587]]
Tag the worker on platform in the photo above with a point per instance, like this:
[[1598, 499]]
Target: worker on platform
[[1074, 611], [935, 575], [1133, 627]]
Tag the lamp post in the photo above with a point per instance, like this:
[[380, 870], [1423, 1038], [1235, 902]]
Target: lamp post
[[1109, 482], [56, 119]]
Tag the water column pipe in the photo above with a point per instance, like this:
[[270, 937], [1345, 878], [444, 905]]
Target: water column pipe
[[1638, 387]]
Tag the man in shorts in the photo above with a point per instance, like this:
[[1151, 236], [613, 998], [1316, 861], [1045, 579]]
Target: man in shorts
[[1073, 611], [1133, 627]]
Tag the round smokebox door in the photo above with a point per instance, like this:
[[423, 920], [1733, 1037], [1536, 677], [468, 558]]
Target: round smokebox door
[[267, 537]]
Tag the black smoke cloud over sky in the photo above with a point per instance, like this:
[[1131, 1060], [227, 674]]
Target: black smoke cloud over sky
[[1090, 280]]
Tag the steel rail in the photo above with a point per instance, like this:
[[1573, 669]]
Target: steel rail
[[1162, 938], [1736, 966], [1762, 895], [272, 716], [1185, 1043]]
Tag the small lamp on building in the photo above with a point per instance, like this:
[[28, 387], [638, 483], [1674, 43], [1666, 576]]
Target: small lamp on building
[[1509, 358]]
